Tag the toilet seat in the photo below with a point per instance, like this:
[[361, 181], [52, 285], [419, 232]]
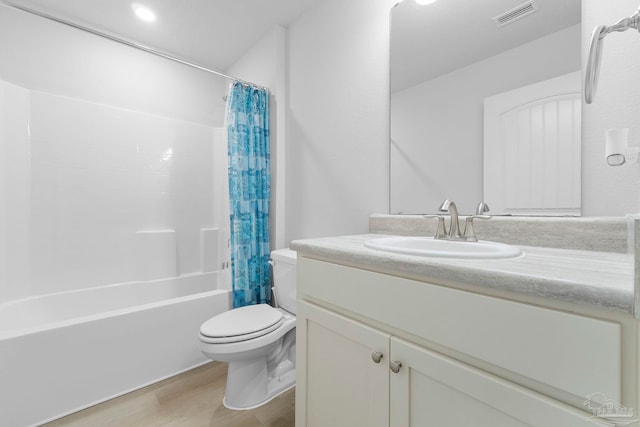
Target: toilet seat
[[241, 324]]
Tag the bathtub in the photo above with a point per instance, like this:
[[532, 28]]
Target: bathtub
[[63, 352]]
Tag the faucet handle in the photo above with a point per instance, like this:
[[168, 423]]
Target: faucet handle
[[482, 208], [445, 205], [441, 231], [470, 232]]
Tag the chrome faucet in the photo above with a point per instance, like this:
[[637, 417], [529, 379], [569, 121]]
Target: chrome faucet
[[469, 234], [454, 224]]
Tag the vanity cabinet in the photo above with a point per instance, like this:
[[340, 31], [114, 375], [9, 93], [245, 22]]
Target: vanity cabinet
[[356, 328], [349, 378], [434, 390], [343, 384]]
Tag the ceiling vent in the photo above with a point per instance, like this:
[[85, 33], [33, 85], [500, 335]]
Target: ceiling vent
[[516, 13]]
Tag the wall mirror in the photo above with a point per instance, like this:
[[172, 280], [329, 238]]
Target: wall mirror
[[485, 106]]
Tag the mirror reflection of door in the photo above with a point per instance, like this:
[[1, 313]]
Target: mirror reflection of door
[[532, 148], [446, 58]]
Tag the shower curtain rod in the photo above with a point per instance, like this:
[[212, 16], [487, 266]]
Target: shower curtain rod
[[134, 45]]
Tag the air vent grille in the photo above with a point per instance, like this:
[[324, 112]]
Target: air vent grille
[[516, 13]]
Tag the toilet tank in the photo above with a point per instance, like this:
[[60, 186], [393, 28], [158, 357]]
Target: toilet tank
[[284, 278]]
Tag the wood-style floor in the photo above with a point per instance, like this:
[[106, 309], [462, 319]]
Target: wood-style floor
[[191, 399]]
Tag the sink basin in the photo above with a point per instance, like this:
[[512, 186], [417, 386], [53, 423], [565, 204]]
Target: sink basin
[[430, 247]]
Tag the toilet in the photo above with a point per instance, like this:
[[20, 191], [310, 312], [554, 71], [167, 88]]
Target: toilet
[[258, 341]]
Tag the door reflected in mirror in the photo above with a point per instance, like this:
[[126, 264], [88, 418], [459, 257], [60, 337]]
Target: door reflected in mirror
[[447, 59]]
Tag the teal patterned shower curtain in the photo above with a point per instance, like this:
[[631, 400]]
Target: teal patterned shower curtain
[[249, 193]]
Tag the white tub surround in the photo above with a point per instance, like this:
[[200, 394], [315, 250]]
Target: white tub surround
[[156, 254], [531, 340], [63, 352]]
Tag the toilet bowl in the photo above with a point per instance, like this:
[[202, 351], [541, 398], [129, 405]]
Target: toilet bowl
[[257, 341]]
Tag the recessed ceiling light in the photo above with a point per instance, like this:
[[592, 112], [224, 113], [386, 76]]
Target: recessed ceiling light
[[143, 12], [425, 2]]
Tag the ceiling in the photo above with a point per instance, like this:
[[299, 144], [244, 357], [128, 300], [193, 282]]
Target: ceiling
[[212, 33], [428, 41]]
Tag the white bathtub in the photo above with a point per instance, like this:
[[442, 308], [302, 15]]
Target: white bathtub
[[63, 352]]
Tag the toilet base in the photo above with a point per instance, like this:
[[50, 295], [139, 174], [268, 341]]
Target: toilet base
[[259, 369], [261, 390]]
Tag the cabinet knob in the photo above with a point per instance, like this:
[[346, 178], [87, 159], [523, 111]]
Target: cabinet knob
[[376, 356], [395, 366]]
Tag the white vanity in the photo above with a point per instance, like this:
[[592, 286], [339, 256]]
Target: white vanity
[[384, 339]]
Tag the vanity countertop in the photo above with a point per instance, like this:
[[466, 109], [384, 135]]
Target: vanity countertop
[[584, 278]]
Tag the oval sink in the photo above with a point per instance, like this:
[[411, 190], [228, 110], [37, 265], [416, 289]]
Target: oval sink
[[430, 247]]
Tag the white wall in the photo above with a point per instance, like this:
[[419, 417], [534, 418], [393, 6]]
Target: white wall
[[338, 130], [265, 64], [98, 141], [437, 126], [611, 190]]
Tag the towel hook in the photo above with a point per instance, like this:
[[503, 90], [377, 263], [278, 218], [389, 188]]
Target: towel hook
[[595, 51]]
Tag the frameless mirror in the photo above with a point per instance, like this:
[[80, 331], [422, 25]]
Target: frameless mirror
[[485, 105]]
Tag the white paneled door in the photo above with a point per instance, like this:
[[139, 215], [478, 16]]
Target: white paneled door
[[532, 146]]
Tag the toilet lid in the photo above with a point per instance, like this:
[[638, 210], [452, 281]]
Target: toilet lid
[[249, 320]]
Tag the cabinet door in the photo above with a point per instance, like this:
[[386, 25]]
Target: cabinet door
[[434, 390], [339, 383]]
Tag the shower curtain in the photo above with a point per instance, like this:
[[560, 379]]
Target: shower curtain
[[249, 193]]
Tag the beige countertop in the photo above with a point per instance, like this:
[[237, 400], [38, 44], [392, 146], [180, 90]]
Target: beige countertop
[[585, 278]]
